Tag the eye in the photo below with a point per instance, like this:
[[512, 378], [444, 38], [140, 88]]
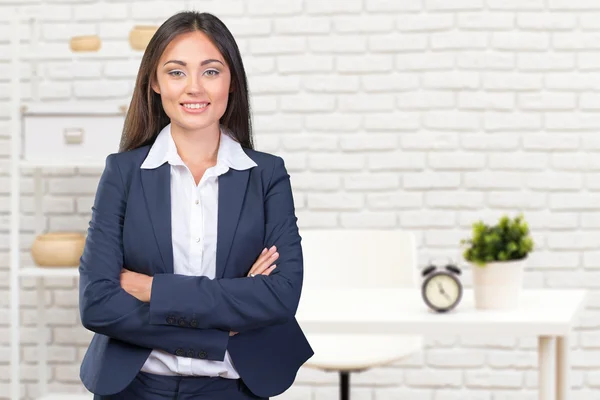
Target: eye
[[174, 73], [208, 71]]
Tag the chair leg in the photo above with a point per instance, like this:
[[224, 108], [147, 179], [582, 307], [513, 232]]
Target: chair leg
[[344, 385]]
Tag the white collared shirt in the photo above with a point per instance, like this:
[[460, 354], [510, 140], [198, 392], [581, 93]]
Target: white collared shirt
[[194, 211]]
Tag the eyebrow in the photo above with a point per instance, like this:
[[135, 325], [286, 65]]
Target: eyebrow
[[183, 63]]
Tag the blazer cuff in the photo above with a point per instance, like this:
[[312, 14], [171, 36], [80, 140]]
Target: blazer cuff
[[161, 300]]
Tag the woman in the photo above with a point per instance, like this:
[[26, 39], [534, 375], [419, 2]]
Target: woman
[[192, 270]]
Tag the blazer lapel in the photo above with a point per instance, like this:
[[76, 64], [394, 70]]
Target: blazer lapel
[[232, 191], [156, 184]]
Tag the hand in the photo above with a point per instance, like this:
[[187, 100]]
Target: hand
[[136, 284], [263, 266]]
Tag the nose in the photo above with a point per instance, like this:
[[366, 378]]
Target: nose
[[194, 85]]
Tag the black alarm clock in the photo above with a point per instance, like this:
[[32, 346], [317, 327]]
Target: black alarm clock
[[441, 288]]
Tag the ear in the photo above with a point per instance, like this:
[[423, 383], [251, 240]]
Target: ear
[[155, 87]]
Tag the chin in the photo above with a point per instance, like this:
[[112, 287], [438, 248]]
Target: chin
[[186, 124]]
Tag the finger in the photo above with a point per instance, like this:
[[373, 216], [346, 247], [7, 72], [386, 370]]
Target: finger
[[264, 257], [254, 266], [269, 270], [259, 269]]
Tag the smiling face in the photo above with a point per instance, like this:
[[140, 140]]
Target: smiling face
[[193, 81]]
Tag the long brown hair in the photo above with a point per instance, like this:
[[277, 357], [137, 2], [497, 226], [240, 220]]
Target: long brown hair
[[146, 117]]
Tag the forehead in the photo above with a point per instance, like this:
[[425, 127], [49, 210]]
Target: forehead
[[191, 47]]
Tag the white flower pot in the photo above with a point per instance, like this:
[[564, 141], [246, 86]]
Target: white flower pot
[[498, 285]]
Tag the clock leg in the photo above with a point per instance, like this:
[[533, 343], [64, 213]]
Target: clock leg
[[546, 375], [563, 368]]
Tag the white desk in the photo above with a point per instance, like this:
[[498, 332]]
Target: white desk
[[546, 313]]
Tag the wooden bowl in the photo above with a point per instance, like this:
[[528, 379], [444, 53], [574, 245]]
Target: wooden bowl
[[58, 249], [140, 35], [85, 43]]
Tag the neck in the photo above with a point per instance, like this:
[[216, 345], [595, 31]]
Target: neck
[[197, 147]]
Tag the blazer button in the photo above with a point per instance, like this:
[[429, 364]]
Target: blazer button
[[194, 323], [179, 352], [182, 322], [171, 320], [202, 354], [190, 353]]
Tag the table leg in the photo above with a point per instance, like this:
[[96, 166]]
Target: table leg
[[546, 375], [563, 368]]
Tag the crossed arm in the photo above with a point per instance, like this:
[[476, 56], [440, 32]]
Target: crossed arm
[[219, 306], [140, 285]]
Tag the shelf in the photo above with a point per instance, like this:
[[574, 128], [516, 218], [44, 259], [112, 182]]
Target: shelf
[[59, 396], [68, 108], [58, 163], [72, 272]]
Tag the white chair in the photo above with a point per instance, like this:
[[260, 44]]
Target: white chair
[[359, 259]]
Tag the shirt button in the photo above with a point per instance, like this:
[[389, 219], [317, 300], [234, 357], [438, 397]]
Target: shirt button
[[198, 240], [197, 201]]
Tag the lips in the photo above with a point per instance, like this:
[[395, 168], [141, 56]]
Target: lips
[[196, 108], [200, 104]]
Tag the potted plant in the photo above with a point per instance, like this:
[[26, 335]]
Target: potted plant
[[498, 254]]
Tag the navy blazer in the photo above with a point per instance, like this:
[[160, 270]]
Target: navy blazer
[[191, 316]]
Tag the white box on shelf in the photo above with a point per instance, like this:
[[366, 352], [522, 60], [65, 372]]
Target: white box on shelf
[[67, 134]]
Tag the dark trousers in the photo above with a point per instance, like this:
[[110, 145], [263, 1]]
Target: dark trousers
[[147, 386]]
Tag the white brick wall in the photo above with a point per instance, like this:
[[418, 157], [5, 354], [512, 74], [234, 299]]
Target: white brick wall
[[423, 114]]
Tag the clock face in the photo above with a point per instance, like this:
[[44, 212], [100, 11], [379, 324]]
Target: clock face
[[442, 291]]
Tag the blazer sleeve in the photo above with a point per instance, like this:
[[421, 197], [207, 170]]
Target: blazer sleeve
[[109, 310], [241, 304]]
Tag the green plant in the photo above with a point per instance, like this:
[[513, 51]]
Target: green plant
[[507, 240]]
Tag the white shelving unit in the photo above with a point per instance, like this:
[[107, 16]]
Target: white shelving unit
[[42, 136], [65, 272], [67, 397]]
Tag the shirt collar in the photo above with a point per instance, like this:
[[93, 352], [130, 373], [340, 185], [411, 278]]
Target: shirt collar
[[230, 153]]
